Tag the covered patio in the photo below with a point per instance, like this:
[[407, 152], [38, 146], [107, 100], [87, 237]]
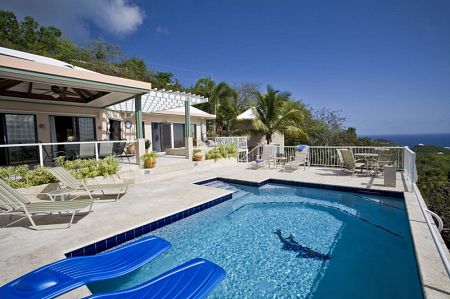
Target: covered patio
[[42, 98]]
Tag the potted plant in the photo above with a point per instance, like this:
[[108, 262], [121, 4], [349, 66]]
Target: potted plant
[[197, 156], [147, 145], [149, 159]]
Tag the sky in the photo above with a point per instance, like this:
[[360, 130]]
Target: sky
[[385, 63]]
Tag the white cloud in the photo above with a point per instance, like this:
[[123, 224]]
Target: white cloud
[[162, 29], [75, 18], [117, 16]]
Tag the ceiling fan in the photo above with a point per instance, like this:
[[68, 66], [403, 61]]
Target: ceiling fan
[[56, 91]]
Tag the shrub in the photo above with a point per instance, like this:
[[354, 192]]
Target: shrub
[[22, 177], [89, 168], [222, 151]]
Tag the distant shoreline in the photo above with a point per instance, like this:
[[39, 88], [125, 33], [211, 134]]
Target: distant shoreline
[[437, 139]]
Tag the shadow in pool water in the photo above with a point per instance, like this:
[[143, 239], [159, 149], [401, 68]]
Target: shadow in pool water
[[290, 244]]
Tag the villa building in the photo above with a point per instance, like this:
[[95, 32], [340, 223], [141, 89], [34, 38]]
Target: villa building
[[45, 100]]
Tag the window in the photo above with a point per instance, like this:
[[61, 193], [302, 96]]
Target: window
[[18, 129]]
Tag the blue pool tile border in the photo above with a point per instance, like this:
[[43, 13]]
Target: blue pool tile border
[[118, 239], [394, 194]]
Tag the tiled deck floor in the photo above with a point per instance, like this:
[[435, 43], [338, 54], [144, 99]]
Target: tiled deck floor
[[23, 249]]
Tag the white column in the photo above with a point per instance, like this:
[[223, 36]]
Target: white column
[[172, 140]]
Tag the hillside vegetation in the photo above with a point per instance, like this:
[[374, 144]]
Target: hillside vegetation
[[433, 167]]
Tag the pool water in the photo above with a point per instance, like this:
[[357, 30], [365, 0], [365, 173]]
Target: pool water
[[294, 242]]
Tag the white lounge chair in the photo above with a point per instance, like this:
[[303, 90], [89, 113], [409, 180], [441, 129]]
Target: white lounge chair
[[14, 203], [266, 158], [301, 157], [71, 184]]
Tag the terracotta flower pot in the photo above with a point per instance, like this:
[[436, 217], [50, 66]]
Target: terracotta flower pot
[[198, 156], [150, 163]]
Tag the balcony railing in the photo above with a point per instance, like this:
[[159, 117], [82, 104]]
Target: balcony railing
[[239, 141], [324, 155], [31, 153]]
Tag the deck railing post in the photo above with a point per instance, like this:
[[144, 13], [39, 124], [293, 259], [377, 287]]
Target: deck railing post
[[41, 155], [96, 150]]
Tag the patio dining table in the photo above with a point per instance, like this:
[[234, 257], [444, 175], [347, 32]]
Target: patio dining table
[[367, 157]]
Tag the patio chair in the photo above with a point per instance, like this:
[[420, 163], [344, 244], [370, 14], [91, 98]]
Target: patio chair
[[386, 157], [87, 150], [194, 279], [119, 151], [349, 161], [60, 277], [301, 157], [266, 157], [52, 155], [14, 203], [73, 185], [71, 150], [105, 149], [340, 158]]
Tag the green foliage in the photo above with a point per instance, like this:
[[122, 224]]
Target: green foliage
[[431, 149], [222, 151], [149, 155], [433, 169], [147, 143], [276, 112], [99, 56], [22, 177], [90, 168]]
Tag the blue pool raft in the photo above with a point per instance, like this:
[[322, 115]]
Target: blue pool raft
[[194, 279], [65, 275]]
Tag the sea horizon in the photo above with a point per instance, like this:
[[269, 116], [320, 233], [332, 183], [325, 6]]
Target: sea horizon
[[411, 140]]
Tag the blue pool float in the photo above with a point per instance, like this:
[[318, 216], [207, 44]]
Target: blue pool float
[[194, 279], [65, 275]]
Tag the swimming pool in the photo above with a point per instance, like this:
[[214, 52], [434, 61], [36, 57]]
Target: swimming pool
[[287, 241]]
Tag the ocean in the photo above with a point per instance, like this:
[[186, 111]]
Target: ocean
[[415, 139]]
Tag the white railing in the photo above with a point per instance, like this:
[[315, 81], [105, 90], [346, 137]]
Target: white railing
[[45, 151], [410, 166], [411, 175], [327, 155], [239, 141], [324, 155], [278, 154]]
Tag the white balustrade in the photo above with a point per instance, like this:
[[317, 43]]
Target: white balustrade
[[41, 150]]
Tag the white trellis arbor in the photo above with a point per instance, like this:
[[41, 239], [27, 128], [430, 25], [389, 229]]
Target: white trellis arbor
[[160, 100]]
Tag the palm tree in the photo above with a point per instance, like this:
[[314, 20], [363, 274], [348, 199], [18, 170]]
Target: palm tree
[[217, 94], [276, 112]]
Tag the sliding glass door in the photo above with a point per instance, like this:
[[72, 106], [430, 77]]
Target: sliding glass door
[[161, 136], [178, 135]]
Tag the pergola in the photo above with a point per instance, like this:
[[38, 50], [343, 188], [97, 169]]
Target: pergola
[[159, 100]]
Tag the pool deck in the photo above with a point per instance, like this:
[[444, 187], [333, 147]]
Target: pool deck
[[160, 195]]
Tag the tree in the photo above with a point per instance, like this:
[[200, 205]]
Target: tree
[[217, 95], [162, 79], [275, 111], [9, 29]]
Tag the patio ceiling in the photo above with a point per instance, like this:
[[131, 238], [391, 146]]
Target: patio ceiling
[[160, 100], [32, 78]]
